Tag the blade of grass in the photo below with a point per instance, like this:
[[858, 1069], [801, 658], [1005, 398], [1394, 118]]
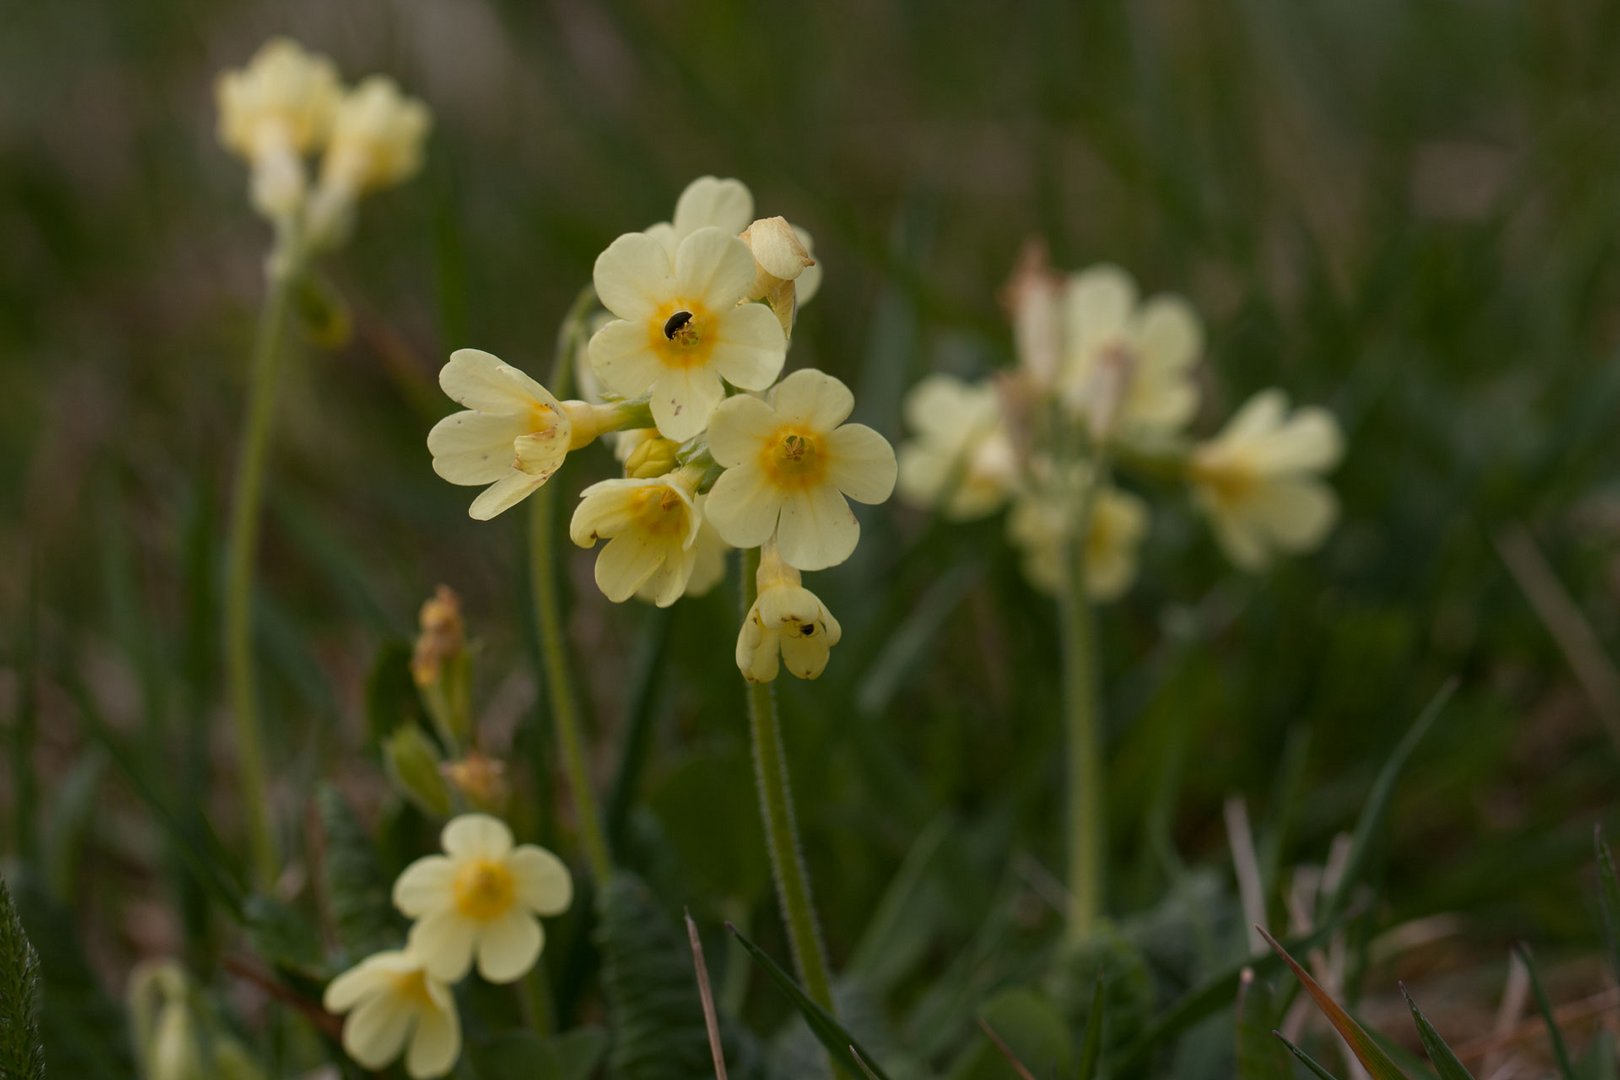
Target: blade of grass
[[710, 1020], [1258, 1055], [1091, 1049], [1566, 1068], [1304, 1058], [1371, 821], [1005, 1051], [1608, 897], [1368, 1052], [840, 1044], [1440, 1055]]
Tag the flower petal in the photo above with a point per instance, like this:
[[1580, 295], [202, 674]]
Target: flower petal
[[805, 657], [744, 505], [726, 204], [1297, 513], [749, 349], [861, 463], [426, 885], [375, 1033], [443, 941], [1261, 414], [807, 284], [509, 946], [502, 495], [738, 428], [817, 530], [620, 357], [435, 1044], [474, 447], [476, 836], [813, 398], [713, 267], [359, 982], [1097, 305], [483, 381], [683, 400], [633, 276], [1168, 334], [543, 881], [626, 561]]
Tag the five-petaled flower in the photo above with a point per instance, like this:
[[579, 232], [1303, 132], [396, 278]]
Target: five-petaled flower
[[1258, 480], [790, 460], [681, 326], [395, 1004], [651, 527], [481, 898]]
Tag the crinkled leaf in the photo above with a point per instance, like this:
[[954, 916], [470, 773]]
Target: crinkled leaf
[[22, 1051]]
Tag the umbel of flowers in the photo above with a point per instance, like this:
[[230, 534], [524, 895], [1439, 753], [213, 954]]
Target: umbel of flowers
[[719, 451], [478, 904], [1105, 383]]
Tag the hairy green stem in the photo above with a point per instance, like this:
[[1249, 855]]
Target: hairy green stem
[[543, 580], [246, 511], [1085, 818], [781, 831]]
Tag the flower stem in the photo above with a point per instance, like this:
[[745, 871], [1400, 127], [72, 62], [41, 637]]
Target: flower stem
[[1086, 834], [781, 831], [543, 579], [246, 512]]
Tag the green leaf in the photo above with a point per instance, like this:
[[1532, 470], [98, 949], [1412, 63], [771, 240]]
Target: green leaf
[[1258, 1055], [391, 695], [22, 1053], [1445, 1062], [357, 889], [282, 935], [1032, 1029], [523, 1055], [1091, 1049], [1305, 1059], [840, 1044], [1566, 1068], [1369, 1053], [1371, 822], [1609, 898], [650, 986]]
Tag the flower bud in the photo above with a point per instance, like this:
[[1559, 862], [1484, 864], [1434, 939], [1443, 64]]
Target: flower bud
[[650, 458], [779, 258], [481, 779], [1034, 297], [788, 623], [413, 767], [441, 667]]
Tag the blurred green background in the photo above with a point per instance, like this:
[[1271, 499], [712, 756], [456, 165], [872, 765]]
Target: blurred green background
[[1405, 210]]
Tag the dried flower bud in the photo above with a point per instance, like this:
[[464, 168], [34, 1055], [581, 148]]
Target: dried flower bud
[[443, 636], [1034, 296], [481, 778]]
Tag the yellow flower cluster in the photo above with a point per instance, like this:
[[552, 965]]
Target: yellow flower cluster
[[480, 900], [1105, 380], [719, 451], [289, 104]]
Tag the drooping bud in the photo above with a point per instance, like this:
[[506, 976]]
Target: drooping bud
[[787, 624], [779, 259]]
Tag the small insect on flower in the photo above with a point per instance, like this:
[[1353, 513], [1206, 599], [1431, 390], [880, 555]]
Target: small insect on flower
[[786, 624], [790, 462], [395, 1005], [682, 327], [1258, 480], [481, 898]]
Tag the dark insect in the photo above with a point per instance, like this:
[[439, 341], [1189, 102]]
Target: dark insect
[[675, 323]]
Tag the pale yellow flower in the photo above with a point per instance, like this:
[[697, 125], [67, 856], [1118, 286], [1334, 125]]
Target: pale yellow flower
[[808, 283], [780, 259], [707, 202], [790, 461], [395, 1004], [680, 328], [481, 898], [376, 141], [962, 458], [1040, 525], [786, 624], [513, 435], [273, 112], [1258, 479], [1128, 367], [651, 527], [709, 553]]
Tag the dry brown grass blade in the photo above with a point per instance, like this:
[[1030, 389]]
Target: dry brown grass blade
[[1006, 1052], [710, 1020]]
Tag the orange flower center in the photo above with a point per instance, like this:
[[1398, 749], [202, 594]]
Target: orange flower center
[[681, 334], [412, 986], [795, 456], [484, 889]]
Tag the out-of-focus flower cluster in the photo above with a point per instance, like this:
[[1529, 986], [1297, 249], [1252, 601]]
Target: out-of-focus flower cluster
[[288, 106], [1106, 380], [719, 451]]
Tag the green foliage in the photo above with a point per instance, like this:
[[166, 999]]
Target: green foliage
[[1445, 1062], [357, 889], [1259, 1057], [523, 1055], [1555, 1036], [22, 1051], [1372, 1056], [650, 987]]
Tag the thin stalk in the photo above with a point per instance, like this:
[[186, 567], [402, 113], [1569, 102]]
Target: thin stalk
[[1086, 823], [246, 511], [781, 830], [543, 580]]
